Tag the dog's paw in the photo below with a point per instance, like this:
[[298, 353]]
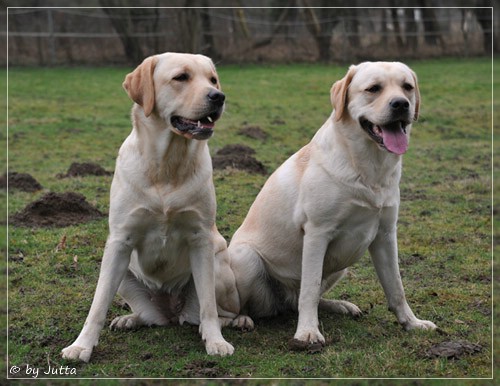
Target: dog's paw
[[420, 324], [75, 353], [224, 322], [243, 322], [219, 347], [126, 322], [309, 336], [350, 309], [341, 307]]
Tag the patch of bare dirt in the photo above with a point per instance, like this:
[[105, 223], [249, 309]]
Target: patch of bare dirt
[[238, 157], [254, 132], [202, 369], [453, 350], [310, 348], [20, 181], [482, 305], [56, 210], [85, 169]]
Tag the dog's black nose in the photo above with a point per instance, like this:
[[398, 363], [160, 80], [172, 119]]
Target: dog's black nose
[[399, 104], [216, 97]]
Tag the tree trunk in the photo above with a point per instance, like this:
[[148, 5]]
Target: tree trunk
[[321, 32], [190, 30], [208, 48], [411, 31], [121, 19], [484, 17], [397, 28], [432, 34], [352, 24]]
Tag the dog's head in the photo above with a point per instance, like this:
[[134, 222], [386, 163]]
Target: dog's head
[[382, 98], [182, 89]]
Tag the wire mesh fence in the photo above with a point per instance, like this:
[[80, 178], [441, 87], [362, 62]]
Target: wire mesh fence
[[55, 36]]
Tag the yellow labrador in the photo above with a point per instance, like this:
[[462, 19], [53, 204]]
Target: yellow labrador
[[330, 202], [159, 255]]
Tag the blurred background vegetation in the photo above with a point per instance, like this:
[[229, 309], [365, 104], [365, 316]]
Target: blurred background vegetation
[[105, 32]]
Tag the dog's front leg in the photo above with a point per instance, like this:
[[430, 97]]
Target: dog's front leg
[[384, 253], [314, 249], [202, 265], [113, 268]]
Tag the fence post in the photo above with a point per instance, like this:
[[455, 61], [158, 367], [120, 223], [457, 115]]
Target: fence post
[[52, 44]]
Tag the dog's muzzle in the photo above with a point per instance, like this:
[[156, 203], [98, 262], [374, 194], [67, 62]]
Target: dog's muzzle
[[392, 136], [201, 127]]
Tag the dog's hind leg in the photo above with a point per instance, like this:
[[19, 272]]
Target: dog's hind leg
[[145, 312], [256, 293], [337, 306]]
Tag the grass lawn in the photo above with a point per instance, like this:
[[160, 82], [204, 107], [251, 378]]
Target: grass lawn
[[65, 115]]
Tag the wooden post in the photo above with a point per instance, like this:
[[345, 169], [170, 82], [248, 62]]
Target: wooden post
[[52, 43]]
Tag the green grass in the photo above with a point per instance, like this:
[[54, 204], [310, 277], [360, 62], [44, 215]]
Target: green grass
[[59, 116]]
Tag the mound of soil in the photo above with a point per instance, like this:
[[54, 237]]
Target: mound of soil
[[56, 210], [254, 132], [453, 350], [85, 169], [20, 181], [238, 157]]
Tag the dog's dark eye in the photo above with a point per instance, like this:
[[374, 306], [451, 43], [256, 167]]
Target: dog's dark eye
[[408, 87], [182, 77], [213, 79], [374, 89]]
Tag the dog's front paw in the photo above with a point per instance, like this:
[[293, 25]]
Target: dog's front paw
[[243, 322], [420, 324], [309, 336], [219, 347], [75, 353], [126, 322]]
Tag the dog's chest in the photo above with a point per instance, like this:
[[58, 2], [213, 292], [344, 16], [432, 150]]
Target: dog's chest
[[161, 256], [350, 239]]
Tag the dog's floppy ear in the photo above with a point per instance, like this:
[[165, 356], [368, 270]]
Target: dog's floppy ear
[[140, 86], [417, 96], [338, 93]]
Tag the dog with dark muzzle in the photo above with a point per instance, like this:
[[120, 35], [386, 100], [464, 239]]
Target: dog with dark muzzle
[[164, 251]]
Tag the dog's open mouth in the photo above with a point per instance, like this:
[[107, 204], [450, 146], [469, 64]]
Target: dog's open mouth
[[391, 136], [201, 128]]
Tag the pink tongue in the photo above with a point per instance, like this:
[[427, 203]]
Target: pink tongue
[[395, 141]]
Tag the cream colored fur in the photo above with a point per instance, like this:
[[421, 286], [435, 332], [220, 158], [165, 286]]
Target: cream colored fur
[[162, 234], [330, 202]]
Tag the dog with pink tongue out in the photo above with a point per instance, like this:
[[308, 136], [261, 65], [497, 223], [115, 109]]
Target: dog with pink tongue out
[[328, 204]]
